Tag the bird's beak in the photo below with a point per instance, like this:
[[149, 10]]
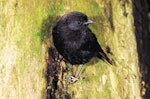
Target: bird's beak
[[89, 22]]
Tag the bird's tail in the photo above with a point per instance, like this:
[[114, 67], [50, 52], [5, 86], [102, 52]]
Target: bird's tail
[[102, 55]]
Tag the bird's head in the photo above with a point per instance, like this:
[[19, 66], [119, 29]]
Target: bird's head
[[76, 21]]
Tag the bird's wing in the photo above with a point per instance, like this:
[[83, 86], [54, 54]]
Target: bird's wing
[[94, 46]]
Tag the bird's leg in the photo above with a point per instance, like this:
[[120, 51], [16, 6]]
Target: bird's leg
[[79, 70], [76, 77]]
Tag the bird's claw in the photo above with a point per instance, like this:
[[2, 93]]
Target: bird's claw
[[74, 79]]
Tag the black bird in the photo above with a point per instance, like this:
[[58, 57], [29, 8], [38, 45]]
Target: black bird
[[75, 41]]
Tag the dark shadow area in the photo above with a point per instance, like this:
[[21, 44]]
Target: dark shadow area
[[148, 1], [47, 26], [141, 22]]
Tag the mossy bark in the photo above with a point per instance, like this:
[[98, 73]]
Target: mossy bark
[[22, 55], [25, 36]]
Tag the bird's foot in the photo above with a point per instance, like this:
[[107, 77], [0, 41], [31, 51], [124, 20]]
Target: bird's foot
[[74, 79]]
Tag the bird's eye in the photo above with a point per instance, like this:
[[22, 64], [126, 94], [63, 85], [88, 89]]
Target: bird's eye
[[79, 22]]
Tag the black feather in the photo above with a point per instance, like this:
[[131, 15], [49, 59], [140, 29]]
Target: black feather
[[75, 41]]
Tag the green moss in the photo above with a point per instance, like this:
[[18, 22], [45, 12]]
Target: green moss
[[25, 35], [50, 20], [95, 7]]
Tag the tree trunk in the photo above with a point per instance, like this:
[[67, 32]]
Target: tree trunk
[[22, 55], [26, 48]]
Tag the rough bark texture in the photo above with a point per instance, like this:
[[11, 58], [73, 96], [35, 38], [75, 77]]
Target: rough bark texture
[[25, 36], [22, 55]]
